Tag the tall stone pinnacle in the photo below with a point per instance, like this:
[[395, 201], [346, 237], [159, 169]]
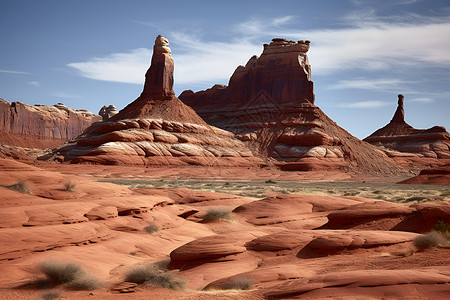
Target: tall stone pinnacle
[[399, 116], [159, 77]]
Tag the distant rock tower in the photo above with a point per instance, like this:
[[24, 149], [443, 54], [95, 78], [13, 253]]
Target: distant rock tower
[[402, 137]]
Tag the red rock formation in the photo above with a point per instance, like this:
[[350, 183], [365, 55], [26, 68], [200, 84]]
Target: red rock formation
[[40, 126], [406, 141], [270, 104], [437, 175], [158, 129]]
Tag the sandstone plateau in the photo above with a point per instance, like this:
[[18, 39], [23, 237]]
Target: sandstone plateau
[[158, 129], [294, 246], [269, 103], [40, 126], [401, 140]]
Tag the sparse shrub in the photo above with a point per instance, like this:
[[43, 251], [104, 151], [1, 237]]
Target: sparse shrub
[[71, 274], [415, 198], [151, 228], [155, 274], [58, 273], [70, 186], [85, 282], [270, 181], [431, 239], [238, 283], [50, 295], [217, 213], [21, 187], [441, 226]]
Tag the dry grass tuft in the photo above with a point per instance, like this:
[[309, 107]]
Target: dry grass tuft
[[217, 213], [21, 187], [239, 283], [50, 295], [70, 186], [151, 228], [431, 239], [155, 274], [72, 274]]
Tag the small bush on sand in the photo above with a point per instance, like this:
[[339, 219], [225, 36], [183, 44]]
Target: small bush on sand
[[71, 274], [431, 239], [155, 274], [270, 181], [70, 186], [21, 187], [58, 273], [50, 295], [239, 283], [151, 228], [217, 213], [441, 226]]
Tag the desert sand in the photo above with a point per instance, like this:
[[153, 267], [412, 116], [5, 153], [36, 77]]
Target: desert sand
[[305, 244]]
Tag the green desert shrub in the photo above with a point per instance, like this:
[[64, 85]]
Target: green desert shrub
[[155, 274], [270, 181], [217, 213], [238, 283], [431, 239], [72, 274], [70, 186], [441, 226], [151, 228], [21, 187]]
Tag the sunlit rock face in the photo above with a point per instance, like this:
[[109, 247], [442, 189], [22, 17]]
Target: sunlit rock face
[[405, 140], [269, 103], [157, 129], [41, 126]]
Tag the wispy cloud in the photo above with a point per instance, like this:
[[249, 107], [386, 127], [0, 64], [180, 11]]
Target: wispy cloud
[[370, 84], [64, 95], [364, 104], [422, 100], [119, 67], [14, 72], [35, 83], [370, 44]]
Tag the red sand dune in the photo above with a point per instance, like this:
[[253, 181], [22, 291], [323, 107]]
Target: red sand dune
[[288, 246]]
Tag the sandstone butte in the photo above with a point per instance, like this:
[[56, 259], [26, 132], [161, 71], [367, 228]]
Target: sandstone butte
[[401, 141], [40, 126], [158, 129], [270, 104]]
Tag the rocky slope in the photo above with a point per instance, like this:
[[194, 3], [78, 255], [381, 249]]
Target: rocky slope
[[158, 129], [406, 141], [284, 246], [40, 126], [270, 104]]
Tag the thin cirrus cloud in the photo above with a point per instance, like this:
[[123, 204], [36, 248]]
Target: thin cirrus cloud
[[370, 84], [35, 83], [14, 72], [367, 43], [364, 104]]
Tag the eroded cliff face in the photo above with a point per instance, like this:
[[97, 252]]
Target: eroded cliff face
[[40, 126], [399, 139], [158, 129], [269, 103], [282, 74]]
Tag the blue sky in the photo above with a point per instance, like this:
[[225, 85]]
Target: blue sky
[[86, 54]]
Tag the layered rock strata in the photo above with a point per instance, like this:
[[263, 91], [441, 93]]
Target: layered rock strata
[[40, 126], [158, 129], [400, 139], [270, 104]]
